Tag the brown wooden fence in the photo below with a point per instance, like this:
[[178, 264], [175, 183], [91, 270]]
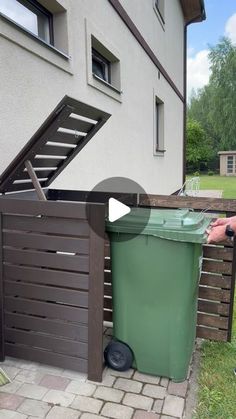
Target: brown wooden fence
[[51, 278], [217, 281]]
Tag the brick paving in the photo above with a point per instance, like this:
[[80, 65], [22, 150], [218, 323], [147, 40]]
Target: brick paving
[[40, 391]]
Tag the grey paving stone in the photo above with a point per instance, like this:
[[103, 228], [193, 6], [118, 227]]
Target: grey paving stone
[[87, 404], [124, 374], [34, 408], [140, 414], [158, 406], [11, 387], [127, 385], [164, 382], [108, 394], [58, 397], [117, 411], [138, 401], [80, 388], [10, 414], [74, 375], [58, 412], [107, 381], [173, 406], [178, 389], [167, 417], [157, 392], [146, 378], [29, 376], [11, 371], [32, 391], [91, 416]]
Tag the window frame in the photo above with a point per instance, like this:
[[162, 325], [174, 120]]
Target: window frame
[[231, 164], [160, 12], [34, 6], [101, 59], [159, 137]]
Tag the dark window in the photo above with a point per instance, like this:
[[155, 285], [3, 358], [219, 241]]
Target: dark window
[[101, 67], [230, 163], [30, 15], [157, 126]]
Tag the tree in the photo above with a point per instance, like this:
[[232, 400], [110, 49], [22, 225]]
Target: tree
[[199, 149], [223, 92], [214, 105]]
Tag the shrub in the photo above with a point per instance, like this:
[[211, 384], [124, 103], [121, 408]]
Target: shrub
[[210, 173]]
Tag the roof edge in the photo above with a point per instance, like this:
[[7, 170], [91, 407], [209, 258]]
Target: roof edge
[[193, 10]]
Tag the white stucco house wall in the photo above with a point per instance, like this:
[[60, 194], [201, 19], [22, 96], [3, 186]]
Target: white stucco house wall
[[126, 57]]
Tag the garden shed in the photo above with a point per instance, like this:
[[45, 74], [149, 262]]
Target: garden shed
[[227, 163]]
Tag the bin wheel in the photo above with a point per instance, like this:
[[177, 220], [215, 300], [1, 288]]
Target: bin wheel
[[118, 356]]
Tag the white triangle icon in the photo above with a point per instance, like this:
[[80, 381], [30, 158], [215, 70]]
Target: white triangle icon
[[116, 209]]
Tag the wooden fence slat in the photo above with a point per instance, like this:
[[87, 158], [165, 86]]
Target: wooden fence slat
[[46, 242], [48, 260], [214, 334], [217, 252], [45, 309], [218, 281], [46, 276], [107, 316], [217, 267], [108, 290], [45, 293], [53, 327], [214, 294], [47, 357], [212, 321], [107, 277], [51, 343], [46, 225], [107, 303], [213, 307]]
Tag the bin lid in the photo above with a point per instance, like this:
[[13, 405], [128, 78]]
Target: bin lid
[[180, 225], [59, 139]]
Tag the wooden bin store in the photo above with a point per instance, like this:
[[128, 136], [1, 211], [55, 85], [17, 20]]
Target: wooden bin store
[[55, 272]]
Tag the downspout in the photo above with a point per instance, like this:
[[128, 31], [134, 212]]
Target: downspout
[[195, 19]]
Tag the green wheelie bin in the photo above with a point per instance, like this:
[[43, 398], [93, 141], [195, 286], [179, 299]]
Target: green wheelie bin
[[155, 276]]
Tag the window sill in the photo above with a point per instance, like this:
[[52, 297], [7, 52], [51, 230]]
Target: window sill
[[106, 84], [32, 43], [159, 153]]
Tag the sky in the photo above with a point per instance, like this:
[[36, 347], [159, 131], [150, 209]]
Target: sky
[[220, 21]]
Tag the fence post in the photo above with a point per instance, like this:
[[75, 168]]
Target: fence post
[[96, 291]]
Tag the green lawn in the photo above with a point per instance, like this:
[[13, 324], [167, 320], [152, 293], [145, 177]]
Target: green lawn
[[217, 382], [226, 183]]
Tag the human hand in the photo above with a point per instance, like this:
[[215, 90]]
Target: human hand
[[216, 234], [223, 221]]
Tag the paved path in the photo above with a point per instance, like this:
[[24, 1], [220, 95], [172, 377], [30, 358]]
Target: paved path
[[210, 193], [40, 391]]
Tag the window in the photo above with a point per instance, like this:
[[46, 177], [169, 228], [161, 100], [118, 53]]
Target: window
[[159, 127], [103, 63], [30, 15], [231, 164], [101, 67], [159, 7]]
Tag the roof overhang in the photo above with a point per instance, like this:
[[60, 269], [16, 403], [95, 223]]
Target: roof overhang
[[193, 10]]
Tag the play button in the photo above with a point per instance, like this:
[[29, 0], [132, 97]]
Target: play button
[[121, 196], [116, 210]]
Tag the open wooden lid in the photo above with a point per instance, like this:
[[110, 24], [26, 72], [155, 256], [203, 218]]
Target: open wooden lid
[[59, 139]]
